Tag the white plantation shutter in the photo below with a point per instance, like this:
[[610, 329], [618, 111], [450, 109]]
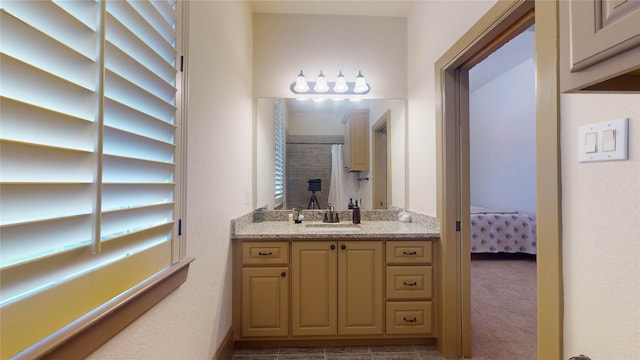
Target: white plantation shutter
[[279, 149], [87, 157]]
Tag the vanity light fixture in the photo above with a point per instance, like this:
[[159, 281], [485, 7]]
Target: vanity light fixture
[[339, 87], [321, 84], [300, 86]]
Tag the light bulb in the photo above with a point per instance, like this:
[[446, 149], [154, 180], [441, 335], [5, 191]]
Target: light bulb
[[321, 84], [341, 84], [301, 83], [361, 84]]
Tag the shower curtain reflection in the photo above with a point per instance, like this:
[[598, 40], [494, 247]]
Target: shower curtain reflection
[[343, 186]]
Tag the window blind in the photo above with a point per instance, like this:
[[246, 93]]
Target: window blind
[[87, 160], [279, 149]]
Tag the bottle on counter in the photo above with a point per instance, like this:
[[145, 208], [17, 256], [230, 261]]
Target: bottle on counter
[[350, 204], [356, 213]]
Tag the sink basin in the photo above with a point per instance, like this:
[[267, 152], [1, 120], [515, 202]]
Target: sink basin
[[335, 227]]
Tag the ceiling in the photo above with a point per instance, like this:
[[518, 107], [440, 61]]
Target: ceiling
[[397, 8]]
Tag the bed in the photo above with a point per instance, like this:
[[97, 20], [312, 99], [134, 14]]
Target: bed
[[498, 231]]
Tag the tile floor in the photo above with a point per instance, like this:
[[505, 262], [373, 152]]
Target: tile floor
[[409, 352]]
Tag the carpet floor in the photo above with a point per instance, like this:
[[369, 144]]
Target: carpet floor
[[503, 309]]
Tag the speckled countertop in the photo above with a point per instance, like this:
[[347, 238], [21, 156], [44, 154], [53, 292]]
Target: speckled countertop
[[319, 230], [381, 226]]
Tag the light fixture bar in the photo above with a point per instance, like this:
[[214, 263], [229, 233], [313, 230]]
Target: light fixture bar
[[323, 87]]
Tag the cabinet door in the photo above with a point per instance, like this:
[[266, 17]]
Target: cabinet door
[[265, 301], [313, 289], [601, 29], [356, 143], [360, 287]]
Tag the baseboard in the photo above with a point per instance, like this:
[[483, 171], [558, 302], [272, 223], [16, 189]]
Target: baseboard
[[226, 349]]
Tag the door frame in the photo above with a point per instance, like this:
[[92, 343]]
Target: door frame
[[453, 282], [383, 122]]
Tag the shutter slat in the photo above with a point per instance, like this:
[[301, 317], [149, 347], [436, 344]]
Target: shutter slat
[[122, 143], [118, 170], [160, 15], [125, 13], [25, 83], [22, 162], [125, 92], [125, 66], [23, 243], [22, 122], [19, 280], [125, 40], [168, 11], [124, 221], [45, 52], [122, 196], [23, 203], [51, 19], [120, 116]]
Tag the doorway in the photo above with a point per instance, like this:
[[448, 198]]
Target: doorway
[[381, 164], [452, 113], [502, 198]]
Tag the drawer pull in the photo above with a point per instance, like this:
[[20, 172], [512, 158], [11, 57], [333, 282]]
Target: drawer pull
[[410, 320], [410, 284], [410, 252], [265, 253]]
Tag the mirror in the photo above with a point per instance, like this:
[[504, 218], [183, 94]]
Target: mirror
[[309, 130]]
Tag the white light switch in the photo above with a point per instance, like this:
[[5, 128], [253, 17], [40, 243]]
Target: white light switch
[[603, 141], [609, 140], [591, 143]]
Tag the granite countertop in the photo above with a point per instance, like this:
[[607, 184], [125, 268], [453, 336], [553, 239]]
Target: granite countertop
[[344, 230]]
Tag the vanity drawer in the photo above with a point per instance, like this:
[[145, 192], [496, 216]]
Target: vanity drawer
[[409, 252], [409, 282], [409, 317], [265, 253]]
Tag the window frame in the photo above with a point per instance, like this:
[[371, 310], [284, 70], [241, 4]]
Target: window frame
[[123, 309]]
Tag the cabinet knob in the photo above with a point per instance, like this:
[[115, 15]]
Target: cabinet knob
[[410, 320], [265, 253], [333, 247], [283, 274], [343, 247]]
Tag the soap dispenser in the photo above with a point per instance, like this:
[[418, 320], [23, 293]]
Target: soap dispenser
[[356, 213]]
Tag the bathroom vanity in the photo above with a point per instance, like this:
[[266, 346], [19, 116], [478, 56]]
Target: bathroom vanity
[[335, 283]]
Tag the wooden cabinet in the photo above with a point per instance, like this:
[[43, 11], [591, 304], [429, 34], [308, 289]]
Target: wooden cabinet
[[314, 310], [337, 288], [600, 45], [265, 302], [360, 287], [265, 289], [333, 290], [409, 289], [356, 140]]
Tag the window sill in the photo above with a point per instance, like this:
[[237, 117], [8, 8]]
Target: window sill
[[83, 336]]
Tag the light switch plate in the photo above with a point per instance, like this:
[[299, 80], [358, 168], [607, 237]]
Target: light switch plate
[[610, 144]]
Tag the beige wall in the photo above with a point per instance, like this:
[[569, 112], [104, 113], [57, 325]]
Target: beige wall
[[601, 234], [433, 26], [601, 201], [192, 321], [285, 44]]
